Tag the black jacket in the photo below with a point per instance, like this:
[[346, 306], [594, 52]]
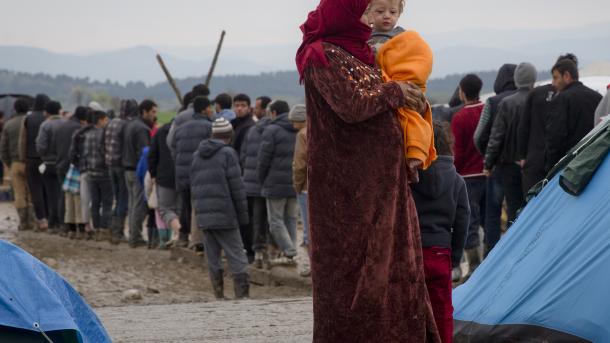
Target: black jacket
[[77, 148], [241, 126], [442, 207], [64, 140], [274, 168], [218, 192], [504, 86], [32, 123], [136, 136], [249, 157], [160, 161], [503, 146], [187, 138], [570, 119], [531, 135]]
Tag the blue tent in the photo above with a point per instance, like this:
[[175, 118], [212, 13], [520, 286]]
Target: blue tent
[[548, 279], [38, 305]]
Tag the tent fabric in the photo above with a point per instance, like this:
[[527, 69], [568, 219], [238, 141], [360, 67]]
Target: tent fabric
[[33, 297], [549, 272]]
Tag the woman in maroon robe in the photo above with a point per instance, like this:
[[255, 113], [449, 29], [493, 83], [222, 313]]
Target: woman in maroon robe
[[367, 267]]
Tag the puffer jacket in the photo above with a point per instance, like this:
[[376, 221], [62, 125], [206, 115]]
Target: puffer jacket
[[503, 146], [187, 138], [218, 192], [274, 168], [249, 157]]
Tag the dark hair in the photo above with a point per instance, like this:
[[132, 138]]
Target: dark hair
[[224, 100], [200, 103], [52, 107], [97, 116], [146, 106], [200, 90], [40, 102], [187, 99], [279, 107], [265, 101], [566, 66], [443, 140], [569, 56], [242, 98], [129, 108], [21, 105], [80, 113], [471, 86]]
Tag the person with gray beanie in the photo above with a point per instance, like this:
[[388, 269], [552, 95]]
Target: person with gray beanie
[[219, 201], [502, 153]]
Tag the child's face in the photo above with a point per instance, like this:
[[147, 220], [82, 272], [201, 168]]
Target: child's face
[[384, 14]]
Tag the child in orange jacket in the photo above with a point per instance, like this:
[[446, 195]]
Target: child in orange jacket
[[404, 56]]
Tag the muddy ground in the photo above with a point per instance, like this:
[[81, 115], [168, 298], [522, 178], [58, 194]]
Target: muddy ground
[[101, 272]]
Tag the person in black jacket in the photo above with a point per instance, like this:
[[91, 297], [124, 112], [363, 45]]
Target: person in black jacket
[[186, 141], [531, 135], [274, 170], [29, 153], [503, 148], [243, 121], [443, 210], [221, 208], [136, 136], [572, 112], [160, 164], [504, 86]]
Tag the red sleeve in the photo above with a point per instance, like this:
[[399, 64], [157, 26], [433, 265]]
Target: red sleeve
[[459, 143]]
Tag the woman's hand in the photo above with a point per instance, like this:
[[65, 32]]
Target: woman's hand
[[416, 100], [413, 165]]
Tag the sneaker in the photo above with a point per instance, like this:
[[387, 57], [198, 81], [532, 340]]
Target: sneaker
[[287, 261], [138, 243], [305, 272], [456, 274]]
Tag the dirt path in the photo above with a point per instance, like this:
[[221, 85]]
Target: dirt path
[[102, 272]]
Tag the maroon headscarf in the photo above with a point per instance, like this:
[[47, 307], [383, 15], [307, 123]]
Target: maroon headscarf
[[336, 22]]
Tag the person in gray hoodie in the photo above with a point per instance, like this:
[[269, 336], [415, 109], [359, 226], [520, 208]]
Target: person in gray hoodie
[[274, 171], [46, 145], [220, 204]]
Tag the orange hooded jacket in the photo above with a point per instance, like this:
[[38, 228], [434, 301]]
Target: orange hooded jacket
[[407, 57]]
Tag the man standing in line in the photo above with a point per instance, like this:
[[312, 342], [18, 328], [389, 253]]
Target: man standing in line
[[136, 136]]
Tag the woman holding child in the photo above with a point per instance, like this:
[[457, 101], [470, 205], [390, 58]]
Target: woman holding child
[[367, 269]]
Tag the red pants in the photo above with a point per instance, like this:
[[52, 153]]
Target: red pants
[[437, 268]]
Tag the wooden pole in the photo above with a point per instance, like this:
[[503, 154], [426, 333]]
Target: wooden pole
[[215, 60], [170, 79]]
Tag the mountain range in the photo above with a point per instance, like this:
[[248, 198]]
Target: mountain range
[[455, 52]]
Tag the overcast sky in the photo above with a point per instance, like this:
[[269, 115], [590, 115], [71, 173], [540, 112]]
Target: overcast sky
[[84, 26]]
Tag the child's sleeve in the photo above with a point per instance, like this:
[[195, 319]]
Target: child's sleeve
[[420, 137], [460, 224]]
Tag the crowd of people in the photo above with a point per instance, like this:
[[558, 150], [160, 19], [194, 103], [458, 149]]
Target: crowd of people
[[226, 175], [218, 177]]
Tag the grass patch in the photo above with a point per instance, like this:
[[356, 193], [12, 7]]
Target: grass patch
[[165, 117]]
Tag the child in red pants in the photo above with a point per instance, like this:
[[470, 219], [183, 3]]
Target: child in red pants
[[443, 210]]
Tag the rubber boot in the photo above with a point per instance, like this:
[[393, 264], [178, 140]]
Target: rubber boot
[[164, 237], [241, 286], [218, 284]]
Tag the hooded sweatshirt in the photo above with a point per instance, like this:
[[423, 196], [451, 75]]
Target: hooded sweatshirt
[[504, 86], [442, 207], [219, 198]]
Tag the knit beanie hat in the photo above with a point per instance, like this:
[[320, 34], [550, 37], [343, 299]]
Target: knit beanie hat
[[298, 114], [525, 75], [222, 129]]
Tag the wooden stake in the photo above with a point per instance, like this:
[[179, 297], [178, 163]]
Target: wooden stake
[[215, 60], [170, 79]]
